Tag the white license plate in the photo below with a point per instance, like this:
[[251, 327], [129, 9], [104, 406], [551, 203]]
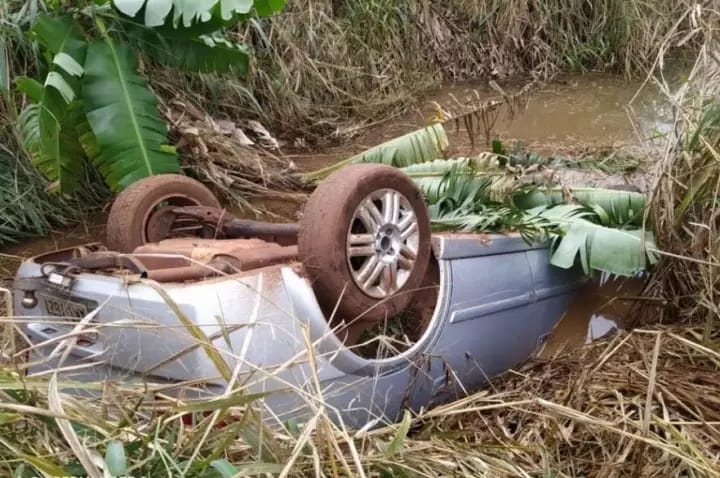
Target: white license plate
[[70, 308]]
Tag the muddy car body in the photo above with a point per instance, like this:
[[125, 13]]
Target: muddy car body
[[485, 304], [498, 299]]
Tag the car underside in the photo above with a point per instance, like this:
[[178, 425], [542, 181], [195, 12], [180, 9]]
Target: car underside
[[186, 296]]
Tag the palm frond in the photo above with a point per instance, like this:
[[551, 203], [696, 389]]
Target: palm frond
[[612, 207], [593, 231], [423, 145], [122, 113], [622, 252]]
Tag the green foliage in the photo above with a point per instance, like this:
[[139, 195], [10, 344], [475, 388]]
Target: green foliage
[[602, 228], [123, 115], [419, 146], [48, 128], [92, 102], [203, 54], [578, 234], [28, 210], [599, 231], [447, 178], [187, 13], [611, 206]]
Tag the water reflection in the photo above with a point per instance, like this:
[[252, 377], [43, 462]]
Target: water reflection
[[598, 310]]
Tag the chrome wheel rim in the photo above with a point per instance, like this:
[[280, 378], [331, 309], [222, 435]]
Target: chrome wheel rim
[[382, 243]]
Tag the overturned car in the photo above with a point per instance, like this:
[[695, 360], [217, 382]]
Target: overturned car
[[185, 295]]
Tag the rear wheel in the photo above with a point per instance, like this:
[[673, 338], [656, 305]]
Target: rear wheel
[[142, 212], [365, 243]]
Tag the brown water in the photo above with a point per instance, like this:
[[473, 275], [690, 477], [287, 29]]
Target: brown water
[[573, 114], [597, 311]]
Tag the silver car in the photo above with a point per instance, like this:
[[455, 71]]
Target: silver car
[[238, 305]]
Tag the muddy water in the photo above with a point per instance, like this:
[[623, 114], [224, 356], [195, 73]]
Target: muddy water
[[570, 115], [598, 310], [573, 114]]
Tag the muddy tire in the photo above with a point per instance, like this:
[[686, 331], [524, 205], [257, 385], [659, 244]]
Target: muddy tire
[[134, 208], [365, 242]]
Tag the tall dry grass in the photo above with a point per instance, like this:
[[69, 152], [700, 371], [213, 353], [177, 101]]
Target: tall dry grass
[[641, 404], [321, 66], [684, 203]]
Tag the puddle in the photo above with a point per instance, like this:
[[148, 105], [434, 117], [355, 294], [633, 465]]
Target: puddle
[[597, 311]]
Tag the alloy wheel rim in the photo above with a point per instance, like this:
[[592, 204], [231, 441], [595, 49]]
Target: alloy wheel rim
[[382, 243]]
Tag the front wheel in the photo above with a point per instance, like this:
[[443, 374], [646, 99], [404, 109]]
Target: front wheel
[[365, 242]]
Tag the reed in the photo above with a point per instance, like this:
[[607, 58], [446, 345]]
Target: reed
[[641, 404], [684, 202], [322, 67]]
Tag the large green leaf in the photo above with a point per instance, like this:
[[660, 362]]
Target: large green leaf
[[205, 54], [415, 147], [464, 198], [189, 13], [622, 252], [57, 153], [123, 115], [456, 178], [49, 130], [613, 206], [439, 167], [419, 146]]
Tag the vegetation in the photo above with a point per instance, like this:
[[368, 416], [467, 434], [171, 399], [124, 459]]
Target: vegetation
[[318, 70], [626, 407], [685, 197], [26, 209], [603, 228], [322, 66], [92, 103], [643, 403]]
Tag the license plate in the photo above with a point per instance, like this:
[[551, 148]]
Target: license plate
[[66, 307]]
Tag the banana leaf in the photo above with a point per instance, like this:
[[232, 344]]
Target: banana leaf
[[48, 125], [612, 207], [623, 252], [419, 146], [440, 178], [202, 15], [122, 113], [204, 54], [460, 179]]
